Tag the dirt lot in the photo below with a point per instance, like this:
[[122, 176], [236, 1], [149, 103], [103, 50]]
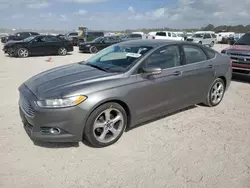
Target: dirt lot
[[199, 147]]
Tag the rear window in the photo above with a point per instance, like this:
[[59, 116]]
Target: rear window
[[209, 52], [161, 34], [213, 35]]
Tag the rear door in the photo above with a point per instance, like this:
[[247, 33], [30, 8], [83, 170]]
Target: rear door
[[198, 71], [207, 39], [53, 44]]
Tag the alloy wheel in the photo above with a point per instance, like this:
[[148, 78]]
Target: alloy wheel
[[22, 52], [93, 50], [108, 125], [62, 51], [217, 93]]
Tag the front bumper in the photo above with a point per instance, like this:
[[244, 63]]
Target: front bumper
[[8, 50], [83, 48], [36, 120]]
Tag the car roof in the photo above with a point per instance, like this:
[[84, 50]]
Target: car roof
[[153, 43]]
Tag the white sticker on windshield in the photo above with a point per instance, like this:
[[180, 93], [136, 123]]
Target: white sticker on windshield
[[133, 55]]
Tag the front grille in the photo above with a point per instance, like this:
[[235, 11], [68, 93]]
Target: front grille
[[26, 107], [240, 59]]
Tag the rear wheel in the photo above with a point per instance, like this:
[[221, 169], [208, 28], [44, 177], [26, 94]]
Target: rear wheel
[[105, 125], [216, 93], [200, 42], [62, 51], [93, 50], [22, 52]]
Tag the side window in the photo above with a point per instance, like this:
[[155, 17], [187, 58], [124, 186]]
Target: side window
[[24, 34], [40, 39], [207, 36], [169, 34], [174, 35], [165, 57], [213, 35], [210, 53], [193, 54], [52, 39]]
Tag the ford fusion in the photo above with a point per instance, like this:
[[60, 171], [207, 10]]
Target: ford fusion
[[119, 87]]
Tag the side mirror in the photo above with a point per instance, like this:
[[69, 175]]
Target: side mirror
[[152, 71]]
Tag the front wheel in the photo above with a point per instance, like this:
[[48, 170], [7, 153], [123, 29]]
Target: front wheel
[[216, 93], [62, 51], [22, 52], [105, 125], [93, 50]]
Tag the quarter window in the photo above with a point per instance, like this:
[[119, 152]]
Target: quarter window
[[165, 57], [169, 34], [52, 39], [194, 54]]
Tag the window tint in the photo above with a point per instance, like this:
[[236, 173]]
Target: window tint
[[244, 40], [161, 34], [207, 36], [24, 34], [213, 35], [40, 39], [193, 54], [169, 34], [174, 35], [73, 34], [52, 39], [165, 57], [210, 53]]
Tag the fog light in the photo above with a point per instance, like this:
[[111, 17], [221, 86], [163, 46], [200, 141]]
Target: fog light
[[55, 131]]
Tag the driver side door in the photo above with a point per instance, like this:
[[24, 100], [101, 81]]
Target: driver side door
[[161, 93], [38, 46]]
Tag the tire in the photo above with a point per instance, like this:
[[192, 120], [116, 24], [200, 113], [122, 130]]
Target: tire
[[212, 44], [62, 51], [213, 93], [200, 43], [22, 52], [105, 133], [93, 50]]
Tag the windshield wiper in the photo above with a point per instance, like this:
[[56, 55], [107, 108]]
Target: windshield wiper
[[97, 67]]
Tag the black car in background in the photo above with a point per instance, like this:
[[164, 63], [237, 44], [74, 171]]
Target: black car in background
[[18, 36], [38, 45], [98, 44]]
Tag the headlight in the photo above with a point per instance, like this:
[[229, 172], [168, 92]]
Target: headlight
[[59, 103]]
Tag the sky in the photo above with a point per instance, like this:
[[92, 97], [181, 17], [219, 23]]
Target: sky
[[121, 14]]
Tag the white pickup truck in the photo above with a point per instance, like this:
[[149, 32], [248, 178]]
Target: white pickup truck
[[164, 35]]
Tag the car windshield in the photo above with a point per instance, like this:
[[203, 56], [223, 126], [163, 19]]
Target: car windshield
[[117, 58], [29, 39], [98, 39], [198, 35], [244, 40]]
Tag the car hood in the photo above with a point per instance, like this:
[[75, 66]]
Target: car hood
[[54, 81], [239, 48], [11, 42]]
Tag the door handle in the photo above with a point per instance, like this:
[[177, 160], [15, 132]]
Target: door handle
[[177, 73], [210, 66]]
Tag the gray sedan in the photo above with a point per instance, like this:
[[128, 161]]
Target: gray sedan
[[121, 86]]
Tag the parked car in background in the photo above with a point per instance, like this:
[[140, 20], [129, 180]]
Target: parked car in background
[[98, 44], [126, 84], [167, 35], [38, 45], [91, 35], [222, 37], [239, 52], [18, 36], [72, 36], [208, 39], [133, 36]]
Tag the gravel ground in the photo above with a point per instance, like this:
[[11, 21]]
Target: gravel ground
[[199, 147]]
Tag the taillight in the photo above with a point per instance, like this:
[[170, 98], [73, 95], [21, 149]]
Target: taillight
[[231, 63], [153, 37]]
